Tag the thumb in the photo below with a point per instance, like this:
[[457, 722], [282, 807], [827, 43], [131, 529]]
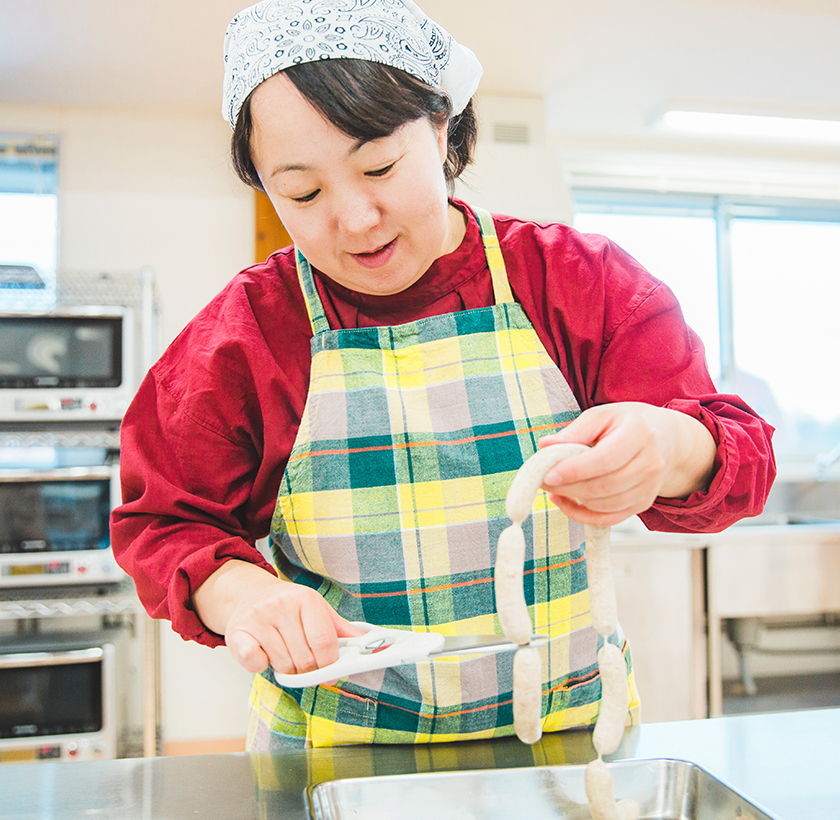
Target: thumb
[[343, 627], [586, 429]]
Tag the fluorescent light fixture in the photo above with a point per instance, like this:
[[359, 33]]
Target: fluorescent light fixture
[[751, 126]]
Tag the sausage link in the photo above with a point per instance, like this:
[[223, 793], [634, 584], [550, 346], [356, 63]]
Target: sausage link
[[507, 582], [527, 694], [599, 577], [529, 478], [629, 810], [609, 727], [599, 791], [513, 614]]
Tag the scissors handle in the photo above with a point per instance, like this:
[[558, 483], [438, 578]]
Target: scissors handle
[[378, 648]]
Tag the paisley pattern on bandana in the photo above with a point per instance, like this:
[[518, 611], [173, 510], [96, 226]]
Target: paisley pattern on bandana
[[275, 34]]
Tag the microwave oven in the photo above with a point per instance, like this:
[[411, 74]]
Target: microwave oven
[[62, 697], [54, 526], [70, 364]]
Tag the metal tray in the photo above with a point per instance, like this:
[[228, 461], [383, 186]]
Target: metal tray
[[665, 790]]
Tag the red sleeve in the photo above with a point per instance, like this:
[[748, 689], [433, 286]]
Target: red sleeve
[[199, 477], [618, 334]]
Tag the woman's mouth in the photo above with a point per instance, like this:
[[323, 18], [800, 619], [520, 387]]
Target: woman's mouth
[[378, 257]]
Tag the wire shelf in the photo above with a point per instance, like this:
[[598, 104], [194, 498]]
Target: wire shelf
[[100, 439], [77, 288], [22, 603]]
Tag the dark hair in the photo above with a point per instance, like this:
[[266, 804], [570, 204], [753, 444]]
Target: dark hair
[[366, 101]]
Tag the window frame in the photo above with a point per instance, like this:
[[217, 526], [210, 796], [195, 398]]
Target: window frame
[[723, 209]]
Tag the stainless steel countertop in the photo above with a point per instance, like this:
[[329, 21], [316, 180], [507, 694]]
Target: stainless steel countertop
[[786, 763]]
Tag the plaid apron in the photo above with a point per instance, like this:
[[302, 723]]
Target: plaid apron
[[391, 505]]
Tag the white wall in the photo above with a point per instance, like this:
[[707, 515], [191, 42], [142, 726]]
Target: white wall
[[525, 181], [205, 692]]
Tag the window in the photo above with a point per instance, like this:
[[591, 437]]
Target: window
[[786, 297], [28, 222], [760, 284], [658, 237]]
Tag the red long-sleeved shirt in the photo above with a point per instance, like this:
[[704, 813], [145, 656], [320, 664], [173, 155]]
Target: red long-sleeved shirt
[[206, 439]]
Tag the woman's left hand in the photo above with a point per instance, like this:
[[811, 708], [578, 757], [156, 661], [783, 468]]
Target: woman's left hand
[[639, 452]]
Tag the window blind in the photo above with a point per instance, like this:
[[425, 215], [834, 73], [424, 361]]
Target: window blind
[[28, 221], [28, 165]]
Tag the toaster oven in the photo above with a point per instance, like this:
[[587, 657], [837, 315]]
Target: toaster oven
[[70, 364], [61, 696], [54, 526]]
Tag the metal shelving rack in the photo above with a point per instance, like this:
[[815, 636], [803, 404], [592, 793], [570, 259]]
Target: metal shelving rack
[[127, 289], [18, 604]]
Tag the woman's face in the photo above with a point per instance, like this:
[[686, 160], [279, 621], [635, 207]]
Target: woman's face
[[373, 216]]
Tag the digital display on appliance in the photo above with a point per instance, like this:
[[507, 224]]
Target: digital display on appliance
[[50, 568], [54, 516], [60, 351], [51, 700]]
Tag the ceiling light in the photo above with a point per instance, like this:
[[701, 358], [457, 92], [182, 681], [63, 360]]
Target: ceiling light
[[750, 126]]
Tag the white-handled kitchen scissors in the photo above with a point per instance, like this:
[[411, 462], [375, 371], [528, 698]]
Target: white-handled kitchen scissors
[[380, 647]]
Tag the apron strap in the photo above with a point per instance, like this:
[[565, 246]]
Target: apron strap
[[495, 261], [317, 317]]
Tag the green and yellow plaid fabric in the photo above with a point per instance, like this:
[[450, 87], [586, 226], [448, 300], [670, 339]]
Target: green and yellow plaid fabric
[[391, 506]]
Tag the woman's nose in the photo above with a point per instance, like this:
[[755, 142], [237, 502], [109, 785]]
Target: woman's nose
[[357, 213]]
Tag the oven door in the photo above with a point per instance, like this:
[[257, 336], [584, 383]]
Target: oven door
[[57, 704], [70, 364], [54, 526]]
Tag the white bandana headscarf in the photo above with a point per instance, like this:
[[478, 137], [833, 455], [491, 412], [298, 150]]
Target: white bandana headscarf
[[274, 34]]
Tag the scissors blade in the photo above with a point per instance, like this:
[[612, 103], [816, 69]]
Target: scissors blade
[[479, 644], [378, 648]]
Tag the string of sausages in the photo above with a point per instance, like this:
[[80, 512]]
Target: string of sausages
[[516, 624]]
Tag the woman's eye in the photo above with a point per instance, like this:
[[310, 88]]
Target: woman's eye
[[307, 198], [380, 172]]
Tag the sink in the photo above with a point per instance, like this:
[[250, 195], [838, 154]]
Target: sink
[[807, 520], [800, 503], [789, 520]]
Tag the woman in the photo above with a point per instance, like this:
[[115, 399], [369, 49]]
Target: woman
[[367, 396]]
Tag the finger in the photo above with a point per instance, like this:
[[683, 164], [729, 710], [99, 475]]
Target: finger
[[274, 646], [637, 500], [591, 431], [611, 491], [320, 634], [629, 493], [609, 460], [246, 651], [593, 479], [300, 655], [583, 515]]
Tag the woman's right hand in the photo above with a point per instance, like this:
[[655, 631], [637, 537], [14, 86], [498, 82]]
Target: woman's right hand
[[268, 621]]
